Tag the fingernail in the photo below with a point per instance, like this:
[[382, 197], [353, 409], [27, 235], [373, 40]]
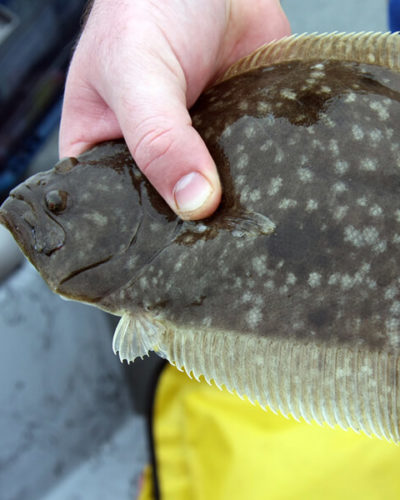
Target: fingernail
[[191, 192]]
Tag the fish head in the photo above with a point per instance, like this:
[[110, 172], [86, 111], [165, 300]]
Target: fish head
[[79, 223]]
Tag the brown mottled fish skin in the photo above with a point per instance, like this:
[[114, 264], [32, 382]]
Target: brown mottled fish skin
[[302, 256]]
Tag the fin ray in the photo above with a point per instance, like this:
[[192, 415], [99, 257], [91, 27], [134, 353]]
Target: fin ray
[[381, 49], [136, 335], [344, 386]]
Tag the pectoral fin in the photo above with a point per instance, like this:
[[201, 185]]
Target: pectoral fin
[[136, 335], [250, 225], [242, 224]]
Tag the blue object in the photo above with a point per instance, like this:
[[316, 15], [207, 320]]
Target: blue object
[[16, 165], [394, 15], [36, 41]]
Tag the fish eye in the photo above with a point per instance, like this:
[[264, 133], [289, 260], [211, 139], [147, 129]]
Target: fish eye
[[56, 201]]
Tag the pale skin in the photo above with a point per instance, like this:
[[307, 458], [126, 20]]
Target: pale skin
[[137, 69]]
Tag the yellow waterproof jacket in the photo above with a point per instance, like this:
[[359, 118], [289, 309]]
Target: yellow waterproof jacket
[[211, 445]]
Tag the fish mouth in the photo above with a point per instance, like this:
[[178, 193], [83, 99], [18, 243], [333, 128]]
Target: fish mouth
[[37, 233], [11, 216]]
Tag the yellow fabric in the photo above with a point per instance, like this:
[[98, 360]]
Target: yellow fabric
[[146, 486], [210, 445]]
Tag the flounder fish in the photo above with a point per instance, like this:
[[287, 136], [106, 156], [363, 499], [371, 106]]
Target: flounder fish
[[290, 293]]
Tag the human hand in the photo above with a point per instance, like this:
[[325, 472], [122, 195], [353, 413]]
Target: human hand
[[138, 67]]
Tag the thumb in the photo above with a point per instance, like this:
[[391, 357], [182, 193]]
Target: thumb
[[157, 128]]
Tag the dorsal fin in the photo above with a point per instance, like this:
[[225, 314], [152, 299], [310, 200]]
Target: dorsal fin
[[382, 49]]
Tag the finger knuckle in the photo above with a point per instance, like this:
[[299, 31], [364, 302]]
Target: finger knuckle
[[153, 144]]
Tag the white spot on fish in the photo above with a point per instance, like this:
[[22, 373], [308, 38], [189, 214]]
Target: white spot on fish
[[247, 297], [275, 185], [350, 97], [339, 187], [241, 179], [143, 282], [389, 133], [305, 174], [370, 235], [392, 331], [178, 265], [328, 121], [269, 285], [333, 147], [341, 166], [382, 111], [375, 135], [291, 279], [358, 133], [340, 212], [380, 247], [243, 161], [333, 279], [314, 279], [250, 131], [279, 156], [346, 282], [287, 203], [227, 131], [254, 317], [207, 321], [368, 164], [311, 205], [263, 107], [98, 218], [362, 201], [317, 74], [260, 265], [375, 211], [303, 159], [294, 139], [283, 290], [266, 145], [390, 292], [289, 94], [255, 195], [325, 89], [131, 264], [353, 236], [358, 238], [299, 118], [395, 308]]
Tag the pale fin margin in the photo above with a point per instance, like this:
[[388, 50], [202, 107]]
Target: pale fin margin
[[349, 387], [382, 49]]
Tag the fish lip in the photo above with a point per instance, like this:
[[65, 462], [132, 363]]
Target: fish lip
[[21, 219], [20, 229]]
